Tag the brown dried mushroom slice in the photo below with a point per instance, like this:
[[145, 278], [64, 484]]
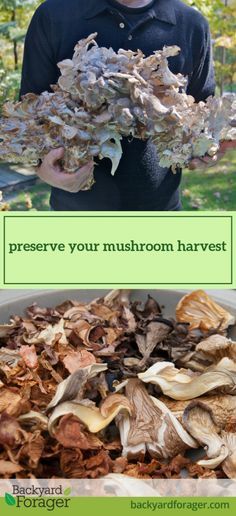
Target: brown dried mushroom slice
[[10, 357], [150, 427], [181, 384], [223, 407], [94, 418], [200, 311], [207, 352], [199, 421], [6, 329], [229, 464], [156, 332], [216, 347], [49, 335], [34, 419], [72, 388]]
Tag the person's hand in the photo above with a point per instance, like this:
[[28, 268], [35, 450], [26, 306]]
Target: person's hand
[[51, 172], [208, 161]]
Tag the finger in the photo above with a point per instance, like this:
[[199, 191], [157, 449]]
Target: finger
[[85, 169], [209, 160], [227, 145], [53, 156], [220, 155], [203, 162], [77, 181], [194, 163], [69, 175]]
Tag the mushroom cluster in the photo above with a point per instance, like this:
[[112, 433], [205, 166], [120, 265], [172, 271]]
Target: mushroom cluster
[[112, 386], [102, 96]]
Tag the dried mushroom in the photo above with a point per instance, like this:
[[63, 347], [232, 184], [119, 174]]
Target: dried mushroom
[[89, 389], [229, 464], [199, 421], [200, 311], [6, 329], [207, 352], [156, 332], [223, 407], [94, 418], [102, 96], [216, 347], [73, 387], [184, 385], [150, 427]]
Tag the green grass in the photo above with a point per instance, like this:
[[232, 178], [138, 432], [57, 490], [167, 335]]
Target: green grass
[[210, 189], [38, 195], [213, 188]]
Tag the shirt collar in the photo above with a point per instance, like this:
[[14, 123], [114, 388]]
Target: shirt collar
[[163, 10]]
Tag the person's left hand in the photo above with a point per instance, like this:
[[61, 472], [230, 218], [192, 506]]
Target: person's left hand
[[208, 161]]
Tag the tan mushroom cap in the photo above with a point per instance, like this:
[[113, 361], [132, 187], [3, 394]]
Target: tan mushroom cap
[[223, 407], [216, 347], [199, 421], [72, 387], [200, 311], [182, 384], [229, 464], [150, 426], [94, 418]]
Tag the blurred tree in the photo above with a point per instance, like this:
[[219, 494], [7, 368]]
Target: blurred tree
[[15, 16], [14, 19], [221, 15]]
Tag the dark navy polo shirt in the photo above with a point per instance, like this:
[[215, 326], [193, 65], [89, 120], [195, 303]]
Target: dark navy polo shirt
[[139, 182]]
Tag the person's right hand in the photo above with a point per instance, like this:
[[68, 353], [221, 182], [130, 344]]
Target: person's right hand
[[51, 172]]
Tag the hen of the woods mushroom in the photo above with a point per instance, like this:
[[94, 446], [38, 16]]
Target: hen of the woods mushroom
[[102, 96], [113, 386]]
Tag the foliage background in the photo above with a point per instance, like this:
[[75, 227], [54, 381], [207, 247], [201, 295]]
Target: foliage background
[[209, 189], [15, 16]]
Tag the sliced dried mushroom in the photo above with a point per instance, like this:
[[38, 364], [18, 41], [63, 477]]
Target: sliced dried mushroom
[[8, 468], [71, 433], [156, 332], [6, 329], [150, 426], [229, 464], [200, 311], [117, 298], [216, 347], [181, 384], [10, 401], [34, 419], [73, 387], [207, 352], [80, 365], [223, 407], [199, 421], [11, 434], [9, 357], [131, 362], [75, 360], [94, 418], [50, 335], [29, 355]]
